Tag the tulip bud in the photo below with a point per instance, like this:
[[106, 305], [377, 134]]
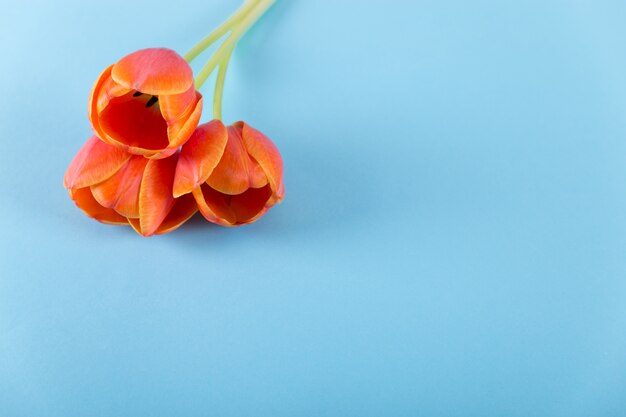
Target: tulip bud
[[235, 173], [146, 103], [117, 187]]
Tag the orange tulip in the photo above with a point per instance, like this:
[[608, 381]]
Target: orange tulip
[[235, 173], [146, 103], [116, 187]]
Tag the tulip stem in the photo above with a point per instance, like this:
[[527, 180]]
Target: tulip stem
[[219, 85], [222, 55], [221, 30], [260, 7]]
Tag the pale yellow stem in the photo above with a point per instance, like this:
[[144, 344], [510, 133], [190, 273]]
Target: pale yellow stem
[[259, 8], [221, 30], [219, 85]]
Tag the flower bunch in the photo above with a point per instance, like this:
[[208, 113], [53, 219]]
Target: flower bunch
[[151, 165]]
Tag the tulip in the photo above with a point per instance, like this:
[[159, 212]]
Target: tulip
[[146, 103], [235, 173], [116, 187]]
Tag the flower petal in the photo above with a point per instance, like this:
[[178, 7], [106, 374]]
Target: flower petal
[[96, 92], [182, 129], [236, 171], [121, 191], [199, 156], [261, 148], [95, 162], [86, 202], [257, 176], [155, 196], [108, 91], [184, 208], [252, 204], [177, 107], [233, 210], [127, 121], [154, 71], [214, 206], [134, 223]]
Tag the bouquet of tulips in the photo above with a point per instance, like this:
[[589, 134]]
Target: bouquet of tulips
[[151, 165]]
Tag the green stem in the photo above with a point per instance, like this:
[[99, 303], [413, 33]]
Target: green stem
[[221, 30], [219, 85], [238, 31]]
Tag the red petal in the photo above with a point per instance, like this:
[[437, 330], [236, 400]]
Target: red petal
[[96, 92], [121, 191], [134, 223], [155, 196], [181, 130], [127, 121], [251, 205], [236, 171], [154, 71], [214, 206], [184, 208], [108, 91], [84, 200], [95, 162], [261, 148], [199, 156], [232, 210], [176, 108]]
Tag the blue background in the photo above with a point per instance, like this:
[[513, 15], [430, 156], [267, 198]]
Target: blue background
[[451, 243]]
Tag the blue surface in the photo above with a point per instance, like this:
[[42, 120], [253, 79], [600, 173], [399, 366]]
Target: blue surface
[[452, 242]]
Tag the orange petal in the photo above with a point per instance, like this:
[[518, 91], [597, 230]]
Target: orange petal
[[86, 202], [121, 191], [184, 208], [232, 210], [252, 204], [155, 196], [129, 127], [178, 107], [236, 171], [261, 148], [134, 223], [127, 121], [95, 162], [103, 91], [96, 92], [257, 176], [180, 130], [214, 206], [154, 71], [199, 156], [109, 90]]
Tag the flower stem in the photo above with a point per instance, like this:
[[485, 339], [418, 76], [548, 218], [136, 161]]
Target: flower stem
[[238, 31], [219, 85], [221, 30]]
